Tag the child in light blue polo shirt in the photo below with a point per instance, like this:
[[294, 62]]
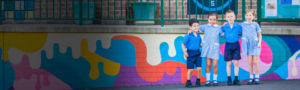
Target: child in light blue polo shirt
[[251, 44], [211, 47]]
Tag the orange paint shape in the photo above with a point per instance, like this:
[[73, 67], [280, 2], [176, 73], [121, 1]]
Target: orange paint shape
[[154, 73]]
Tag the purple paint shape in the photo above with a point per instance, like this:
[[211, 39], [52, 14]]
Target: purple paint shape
[[298, 38], [128, 76], [271, 76]]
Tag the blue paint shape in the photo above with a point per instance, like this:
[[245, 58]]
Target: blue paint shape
[[121, 51], [74, 71], [164, 48], [282, 71], [7, 74]]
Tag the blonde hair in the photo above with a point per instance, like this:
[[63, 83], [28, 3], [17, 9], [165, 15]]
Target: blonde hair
[[251, 11]]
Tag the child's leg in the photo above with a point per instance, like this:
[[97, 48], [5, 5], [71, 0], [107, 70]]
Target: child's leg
[[189, 74], [250, 62], [236, 67], [198, 72], [228, 68], [236, 72], [255, 61], [215, 67], [208, 66]]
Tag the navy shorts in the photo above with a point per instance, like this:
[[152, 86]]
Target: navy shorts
[[232, 51], [194, 59]]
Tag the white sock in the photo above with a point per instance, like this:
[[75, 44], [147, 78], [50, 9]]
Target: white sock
[[256, 75], [215, 77], [207, 76], [251, 76]]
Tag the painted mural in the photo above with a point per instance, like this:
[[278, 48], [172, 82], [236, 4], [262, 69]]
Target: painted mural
[[63, 61]]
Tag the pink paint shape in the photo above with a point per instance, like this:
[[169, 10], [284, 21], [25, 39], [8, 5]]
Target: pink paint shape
[[266, 54], [27, 78], [265, 60], [263, 67]]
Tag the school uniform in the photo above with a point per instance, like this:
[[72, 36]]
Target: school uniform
[[250, 39], [232, 46], [210, 43], [192, 43]]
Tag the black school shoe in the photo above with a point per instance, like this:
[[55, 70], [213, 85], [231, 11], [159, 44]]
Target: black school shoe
[[236, 82], [207, 83], [215, 83], [250, 82], [188, 84], [229, 82], [256, 81], [198, 84]]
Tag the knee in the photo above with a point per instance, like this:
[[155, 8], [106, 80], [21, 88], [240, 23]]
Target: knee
[[208, 65], [198, 69], [215, 66], [250, 62], [255, 62]]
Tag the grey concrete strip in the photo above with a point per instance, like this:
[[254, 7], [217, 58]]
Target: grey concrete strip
[[139, 29], [265, 85]]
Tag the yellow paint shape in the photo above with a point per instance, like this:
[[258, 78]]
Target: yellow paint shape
[[293, 59], [109, 67], [25, 42]]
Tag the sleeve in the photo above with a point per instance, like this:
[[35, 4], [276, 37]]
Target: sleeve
[[185, 39], [258, 29], [221, 33], [223, 28], [240, 28], [200, 39], [202, 28]]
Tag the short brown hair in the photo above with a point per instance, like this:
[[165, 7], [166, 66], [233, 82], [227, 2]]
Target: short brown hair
[[192, 21], [251, 11], [213, 14], [229, 11]]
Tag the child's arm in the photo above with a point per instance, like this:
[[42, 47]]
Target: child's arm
[[184, 50], [222, 31], [259, 39], [258, 30]]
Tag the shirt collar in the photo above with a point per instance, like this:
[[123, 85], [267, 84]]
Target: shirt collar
[[192, 34], [215, 25], [247, 22], [228, 25]]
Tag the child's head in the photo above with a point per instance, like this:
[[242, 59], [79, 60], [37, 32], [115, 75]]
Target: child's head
[[250, 14], [212, 18], [194, 25], [230, 16]]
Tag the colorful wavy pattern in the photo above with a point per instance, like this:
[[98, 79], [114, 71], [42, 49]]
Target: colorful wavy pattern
[[125, 63]]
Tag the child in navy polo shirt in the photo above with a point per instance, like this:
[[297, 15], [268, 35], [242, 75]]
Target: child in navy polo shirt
[[232, 46], [191, 48]]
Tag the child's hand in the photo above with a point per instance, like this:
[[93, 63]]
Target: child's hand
[[224, 23], [259, 45], [186, 54]]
